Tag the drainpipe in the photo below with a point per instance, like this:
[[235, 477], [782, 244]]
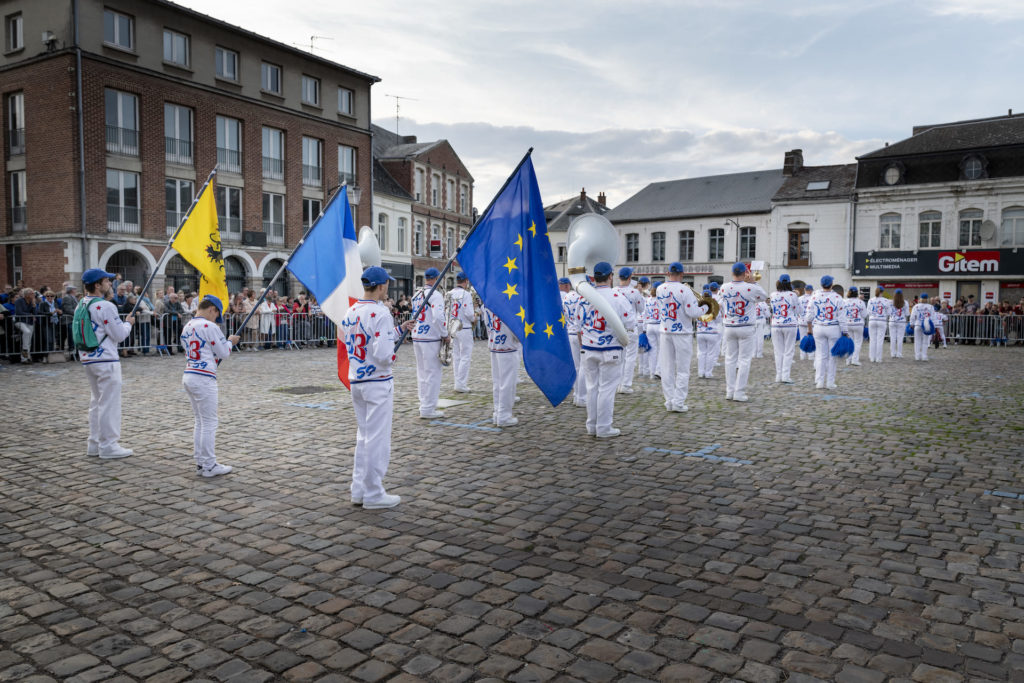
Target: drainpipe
[[81, 137], [852, 222]]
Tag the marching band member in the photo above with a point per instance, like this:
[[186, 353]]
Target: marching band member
[[922, 315], [879, 310], [652, 324], [715, 287], [854, 312], [741, 297], [709, 341], [805, 296], [430, 329], [504, 364], [898, 314], [762, 315], [825, 323], [570, 302], [785, 317], [678, 309], [636, 300], [462, 343], [940, 318]]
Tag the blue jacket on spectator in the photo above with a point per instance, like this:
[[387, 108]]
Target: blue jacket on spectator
[[23, 311]]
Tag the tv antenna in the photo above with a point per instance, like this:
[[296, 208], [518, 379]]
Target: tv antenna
[[398, 103], [311, 45]]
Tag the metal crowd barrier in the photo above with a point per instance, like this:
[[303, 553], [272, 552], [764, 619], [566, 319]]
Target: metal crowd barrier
[[985, 329]]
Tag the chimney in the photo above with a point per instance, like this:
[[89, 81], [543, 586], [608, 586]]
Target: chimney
[[408, 139], [583, 195], [601, 199], [793, 162]]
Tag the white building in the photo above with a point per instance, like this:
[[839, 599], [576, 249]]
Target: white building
[[392, 215]]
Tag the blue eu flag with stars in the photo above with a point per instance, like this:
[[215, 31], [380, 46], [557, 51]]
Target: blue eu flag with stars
[[508, 259]]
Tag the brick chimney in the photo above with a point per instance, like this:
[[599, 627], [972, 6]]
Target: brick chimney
[[408, 139], [601, 199], [793, 162], [583, 195]]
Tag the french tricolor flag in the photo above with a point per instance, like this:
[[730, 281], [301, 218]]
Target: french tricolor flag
[[327, 263]]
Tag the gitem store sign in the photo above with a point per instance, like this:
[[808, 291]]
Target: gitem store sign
[[956, 263]]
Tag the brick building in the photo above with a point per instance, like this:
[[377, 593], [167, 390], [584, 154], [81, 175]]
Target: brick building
[[115, 112]]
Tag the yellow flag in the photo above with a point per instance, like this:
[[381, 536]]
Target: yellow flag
[[199, 244]]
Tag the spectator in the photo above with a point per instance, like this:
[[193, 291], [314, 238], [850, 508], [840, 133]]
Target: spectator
[[48, 322], [167, 300], [144, 322], [68, 304], [251, 327], [266, 313], [175, 318], [24, 320], [282, 320], [120, 298], [190, 304]]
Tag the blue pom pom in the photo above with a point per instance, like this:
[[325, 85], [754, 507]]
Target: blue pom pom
[[928, 327], [843, 347], [807, 344], [644, 342], [866, 334], [910, 329]]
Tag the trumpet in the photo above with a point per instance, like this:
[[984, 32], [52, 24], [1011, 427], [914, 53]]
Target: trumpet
[[755, 270], [710, 302]]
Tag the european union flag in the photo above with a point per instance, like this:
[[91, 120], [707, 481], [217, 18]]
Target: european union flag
[[508, 259]]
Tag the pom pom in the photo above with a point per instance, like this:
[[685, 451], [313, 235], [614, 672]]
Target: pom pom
[[928, 327], [910, 329], [807, 344], [644, 342], [866, 335], [843, 347]]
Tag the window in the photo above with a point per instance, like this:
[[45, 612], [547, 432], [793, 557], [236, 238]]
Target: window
[[1013, 227], [312, 172], [175, 47], [382, 231], [16, 123], [14, 33], [229, 211], [178, 194], [818, 185], [657, 246], [716, 244], [234, 274], [417, 239], [118, 29], [402, 227], [310, 211], [450, 243], [311, 90], [122, 112], [799, 245], [561, 253], [229, 144], [273, 153], [346, 165], [270, 78], [420, 179], [122, 201], [19, 202], [970, 227], [14, 262], [890, 233], [632, 247], [346, 101], [748, 242], [435, 190], [931, 229], [463, 200], [973, 167], [177, 134], [449, 198], [273, 217], [686, 245], [226, 63]]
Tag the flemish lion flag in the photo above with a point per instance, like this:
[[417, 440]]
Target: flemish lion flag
[[198, 242]]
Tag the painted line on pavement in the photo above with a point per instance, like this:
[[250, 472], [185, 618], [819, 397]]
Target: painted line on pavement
[[1005, 494], [326, 405], [475, 425], [835, 397], [704, 453]]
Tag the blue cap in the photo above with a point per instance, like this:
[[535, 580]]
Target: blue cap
[[95, 275], [218, 304], [881, 288], [784, 277], [625, 271], [827, 280], [375, 275], [739, 268], [924, 295], [853, 288], [809, 287], [432, 273], [714, 286], [676, 267], [564, 281], [461, 277], [706, 288], [898, 291], [644, 280], [603, 268]]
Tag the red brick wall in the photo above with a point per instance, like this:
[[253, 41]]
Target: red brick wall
[[42, 263]]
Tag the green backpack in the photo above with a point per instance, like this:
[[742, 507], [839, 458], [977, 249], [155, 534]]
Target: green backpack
[[81, 327]]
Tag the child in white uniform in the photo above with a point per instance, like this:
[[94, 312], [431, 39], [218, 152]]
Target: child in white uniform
[[709, 341], [636, 301], [879, 310], [824, 321], [763, 315], [504, 349], [652, 326], [898, 315], [854, 313], [921, 315], [430, 329], [741, 297], [785, 309], [679, 308]]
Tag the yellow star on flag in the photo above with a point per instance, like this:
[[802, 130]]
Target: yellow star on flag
[[533, 229], [548, 331], [562, 320], [510, 290], [529, 330], [521, 314], [519, 241], [510, 263]]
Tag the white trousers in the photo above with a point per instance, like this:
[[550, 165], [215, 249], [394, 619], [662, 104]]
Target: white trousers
[[202, 394], [876, 342], [462, 352], [760, 329], [824, 362], [373, 403], [603, 370], [921, 341], [579, 394], [707, 353], [856, 333], [26, 336], [503, 374], [897, 331], [104, 406], [654, 339], [428, 374], [629, 359], [783, 343], [739, 349], [676, 352]]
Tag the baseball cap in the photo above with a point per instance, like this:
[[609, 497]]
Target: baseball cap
[[809, 287], [924, 295], [644, 280], [853, 289], [602, 268], [215, 300], [564, 281], [431, 273], [739, 268], [676, 267], [375, 275], [784, 277], [899, 291], [714, 286], [461, 277], [95, 275], [827, 280], [625, 272]]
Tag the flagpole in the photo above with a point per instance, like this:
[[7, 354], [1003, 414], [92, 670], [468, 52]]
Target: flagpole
[[447, 266], [263, 294], [170, 241]]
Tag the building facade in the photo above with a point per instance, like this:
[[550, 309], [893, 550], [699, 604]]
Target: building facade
[[559, 216], [392, 209], [115, 119]]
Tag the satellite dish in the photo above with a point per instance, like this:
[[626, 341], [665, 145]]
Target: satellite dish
[[988, 230]]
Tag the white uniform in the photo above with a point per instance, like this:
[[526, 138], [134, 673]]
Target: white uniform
[[785, 307], [879, 309], [103, 368], [462, 343], [678, 309], [919, 314], [601, 359], [897, 329], [205, 346], [720, 353], [824, 311], [854, 314], [636, 300], [570, 303], [430, 328], [369, 333], [804, 318], [762, 315], [741, 299], [652, 325], [503, 346], [709, 341]]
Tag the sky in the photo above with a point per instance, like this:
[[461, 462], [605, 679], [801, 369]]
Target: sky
[[613, 96]]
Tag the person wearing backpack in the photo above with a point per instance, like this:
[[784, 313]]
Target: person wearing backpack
[[97, 330]]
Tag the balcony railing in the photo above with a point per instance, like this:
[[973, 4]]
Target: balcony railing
[[230, 228], [173, 220], [123, 141], [178, 151], [274, 231], [273, 168], [16, 139], [229, 159], [312, 175], [18, 218], [123, 219]]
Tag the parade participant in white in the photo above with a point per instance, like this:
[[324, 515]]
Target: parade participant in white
[[741, 297], [430, 329], [803, 299], [652, 325], [103, 366], [922, 315], [462, 349], [898, 315], [678, 309], [716, 293], [601, 354], [762, 316], [369, 334], [636, 300], [570, 302], [504, 364], [854, 314], [785, 318], [879, 309], [205, 347], [824, 322], [709, 341]]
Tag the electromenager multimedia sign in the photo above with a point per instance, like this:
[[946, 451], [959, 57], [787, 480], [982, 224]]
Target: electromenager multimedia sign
[[963, 263]]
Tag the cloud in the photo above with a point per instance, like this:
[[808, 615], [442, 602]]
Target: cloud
[[995, 10]]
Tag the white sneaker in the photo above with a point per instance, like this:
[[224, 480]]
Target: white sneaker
[[614, 431], [679, 409], [590, 431], [511, 422], [855, 362], [92, 450], [787, 381], [742, 398], [830, 386], [356, 500], [728, 396], [214, 471], [819, 385], [115, 453], [432, 416], [460, 390], [385, 501], [517, 400], [625, 390]]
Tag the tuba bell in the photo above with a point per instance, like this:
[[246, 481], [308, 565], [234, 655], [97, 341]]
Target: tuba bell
[[710, 302], [590, 240], [368, 247]]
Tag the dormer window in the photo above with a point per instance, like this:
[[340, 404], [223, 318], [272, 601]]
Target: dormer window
[[893, 174], [973, 167]]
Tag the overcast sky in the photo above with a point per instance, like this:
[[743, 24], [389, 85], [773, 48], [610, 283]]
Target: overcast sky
[[615, 95]]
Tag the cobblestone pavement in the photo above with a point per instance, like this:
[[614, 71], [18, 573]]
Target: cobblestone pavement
[[872, 533]]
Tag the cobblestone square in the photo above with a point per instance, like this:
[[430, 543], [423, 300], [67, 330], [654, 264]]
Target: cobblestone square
[[870, 533]]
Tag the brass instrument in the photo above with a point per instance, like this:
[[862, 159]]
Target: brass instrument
[[591, 239], [368, 247], [756, 268], [444, 354], [710, 302]]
